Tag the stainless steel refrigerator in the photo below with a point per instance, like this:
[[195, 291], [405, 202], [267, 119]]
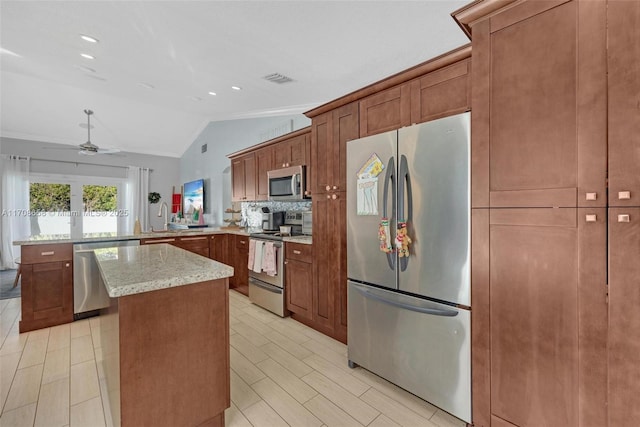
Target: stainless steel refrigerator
[[408, 260]]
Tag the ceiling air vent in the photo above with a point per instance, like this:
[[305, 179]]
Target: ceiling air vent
[[278, 78]]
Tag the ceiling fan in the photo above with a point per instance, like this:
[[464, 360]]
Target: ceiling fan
[[89, 148]]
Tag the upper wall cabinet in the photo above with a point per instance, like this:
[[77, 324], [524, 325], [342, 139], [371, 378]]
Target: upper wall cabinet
[[330, 133], [264, 163], [386, 110], [441, 93], [624, 102], [291, 152], [539, 121], [243, 177]]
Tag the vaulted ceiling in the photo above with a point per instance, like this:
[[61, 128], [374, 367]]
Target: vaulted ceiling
[[155, 62]]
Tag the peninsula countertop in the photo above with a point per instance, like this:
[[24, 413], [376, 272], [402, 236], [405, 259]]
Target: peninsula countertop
[[136, 269]]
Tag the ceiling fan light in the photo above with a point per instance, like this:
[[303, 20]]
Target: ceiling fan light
[[87, 56]]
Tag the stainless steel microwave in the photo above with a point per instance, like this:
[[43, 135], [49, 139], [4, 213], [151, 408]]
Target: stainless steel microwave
[[287, 183]]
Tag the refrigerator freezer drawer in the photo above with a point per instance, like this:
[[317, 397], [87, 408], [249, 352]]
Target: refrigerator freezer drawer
[[422, 346]]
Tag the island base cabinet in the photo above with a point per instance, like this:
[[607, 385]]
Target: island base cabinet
[[166, 356]]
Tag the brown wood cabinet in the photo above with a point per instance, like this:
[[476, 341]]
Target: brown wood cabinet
[[264, 163], [299, 278], [291, 152], [539, 122], [330, 273], [539, 128], [441, 93], [218, 248], [624, 320], [196, 244], [624, 99], [386, 110], [243, 178], [330, 133], [545, 273], [47, 286], [240, 261]]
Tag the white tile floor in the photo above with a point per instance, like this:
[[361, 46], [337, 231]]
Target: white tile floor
[[283, 374]]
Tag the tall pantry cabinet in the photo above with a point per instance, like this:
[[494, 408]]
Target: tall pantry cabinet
[[547, 348], [624, 211]]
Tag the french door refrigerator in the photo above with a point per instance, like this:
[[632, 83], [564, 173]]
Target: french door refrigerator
[[408, 260]]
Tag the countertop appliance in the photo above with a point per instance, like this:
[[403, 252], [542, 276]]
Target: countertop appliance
[[287, 184], [408, 260], [272, 221], [89, 293]]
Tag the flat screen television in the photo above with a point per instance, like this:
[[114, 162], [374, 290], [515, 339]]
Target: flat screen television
[[193, 197]]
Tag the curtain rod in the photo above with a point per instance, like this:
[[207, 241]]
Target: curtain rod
[[76, 163]]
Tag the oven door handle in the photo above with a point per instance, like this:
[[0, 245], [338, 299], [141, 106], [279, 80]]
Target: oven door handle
[[275, 243], [267, 287]]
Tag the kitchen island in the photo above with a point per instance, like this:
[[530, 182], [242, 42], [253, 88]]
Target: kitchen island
[[165, 336]]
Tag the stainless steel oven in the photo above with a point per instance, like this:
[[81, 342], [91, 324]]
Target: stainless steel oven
[[267, 290]]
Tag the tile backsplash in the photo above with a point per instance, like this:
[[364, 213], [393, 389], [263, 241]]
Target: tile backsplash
[[252, 211]]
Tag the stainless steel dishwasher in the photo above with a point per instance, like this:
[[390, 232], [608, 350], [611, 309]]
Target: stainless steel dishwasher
[[89, 293]]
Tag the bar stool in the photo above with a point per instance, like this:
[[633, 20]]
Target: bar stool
[[18, 273]]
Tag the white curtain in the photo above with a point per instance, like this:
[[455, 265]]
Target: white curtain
[[14, 172], [136, 194]]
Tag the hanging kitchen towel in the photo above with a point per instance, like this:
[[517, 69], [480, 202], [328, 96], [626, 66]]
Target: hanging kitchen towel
[[269, 264], [252, 253], [257, 263]]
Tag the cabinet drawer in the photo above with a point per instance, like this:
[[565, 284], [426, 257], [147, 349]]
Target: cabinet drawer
[[34, 254], [242, 242], [169, 240], [299, 252]]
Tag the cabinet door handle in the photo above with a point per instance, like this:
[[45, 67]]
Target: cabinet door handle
[[243, 242], [335, 187], [286, 262], [67, 265], [49, 253], [624, 195], [297, 252], [328, 187], [334, 196], [592, 196], [328, 196], [591, 218], [623, 218]]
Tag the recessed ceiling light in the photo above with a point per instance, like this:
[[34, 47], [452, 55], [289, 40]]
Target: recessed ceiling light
[[236, 88], [88, 38], [146, 85], [87, 56], [195, 98], [212, 93]]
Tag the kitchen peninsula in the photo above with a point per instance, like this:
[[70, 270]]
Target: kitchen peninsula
[[165, 336]]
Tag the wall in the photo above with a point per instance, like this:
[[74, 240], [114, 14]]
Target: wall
[[55, 160], [223, 138]]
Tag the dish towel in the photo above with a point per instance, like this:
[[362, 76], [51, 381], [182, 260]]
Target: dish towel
[[252, 253], [269, 264], [257, 262]]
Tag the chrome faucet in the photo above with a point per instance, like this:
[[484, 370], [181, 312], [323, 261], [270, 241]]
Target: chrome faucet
[[166, 213]]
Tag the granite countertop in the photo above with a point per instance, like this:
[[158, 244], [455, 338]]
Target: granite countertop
[[136, 269], [45, 239]]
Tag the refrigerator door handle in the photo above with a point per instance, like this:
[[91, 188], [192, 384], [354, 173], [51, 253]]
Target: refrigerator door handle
[[390, 179], [404, 179], [424, 310]]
